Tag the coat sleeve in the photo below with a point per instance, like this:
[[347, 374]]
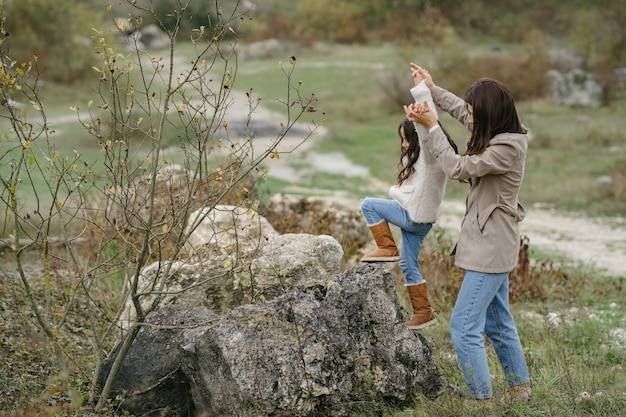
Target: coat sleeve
[[453, 105], [496, 159]]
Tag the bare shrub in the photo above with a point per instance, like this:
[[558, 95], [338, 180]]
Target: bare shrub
[[167, 149]]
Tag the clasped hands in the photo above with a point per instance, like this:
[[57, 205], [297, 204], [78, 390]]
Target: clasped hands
[[420, 113]]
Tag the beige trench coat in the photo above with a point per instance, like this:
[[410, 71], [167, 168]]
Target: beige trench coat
[[489, 240]]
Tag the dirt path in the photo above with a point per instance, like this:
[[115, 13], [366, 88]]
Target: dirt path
[[597, 244], [591, 243]]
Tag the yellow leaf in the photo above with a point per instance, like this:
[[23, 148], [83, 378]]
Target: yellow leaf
[[147, 160], [225, 125], [227, 263], [112, 189], [89, 104], [165, 228]]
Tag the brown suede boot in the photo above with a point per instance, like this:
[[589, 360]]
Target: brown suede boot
[[522, 391], [387, 250], [423, 315]]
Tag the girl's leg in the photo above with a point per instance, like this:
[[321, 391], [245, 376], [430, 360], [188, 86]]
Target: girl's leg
[[467, 325], [377, 210], [379, 213], [501, 330], [413, 235]]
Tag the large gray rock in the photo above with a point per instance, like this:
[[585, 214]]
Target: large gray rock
[[292, 260], [338, 217], [151, 379], [336, 349], [224, 230], [281, 263], [576, 88]]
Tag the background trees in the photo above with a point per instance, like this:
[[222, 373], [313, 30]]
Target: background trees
[[59, 32]]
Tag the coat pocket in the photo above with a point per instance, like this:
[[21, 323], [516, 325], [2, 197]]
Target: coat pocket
[[484, 215]]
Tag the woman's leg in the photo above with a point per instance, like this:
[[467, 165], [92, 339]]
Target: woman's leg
[[467, 325], [501, 330]]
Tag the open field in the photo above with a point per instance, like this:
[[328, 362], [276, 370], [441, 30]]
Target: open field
[[574, 337], [569, 150]]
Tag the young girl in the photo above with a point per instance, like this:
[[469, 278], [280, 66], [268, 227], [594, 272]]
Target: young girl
[[414, 208], [489, 240]]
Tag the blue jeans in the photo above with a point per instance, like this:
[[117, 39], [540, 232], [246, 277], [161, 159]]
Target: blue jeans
[[483, 306], [377, 210]]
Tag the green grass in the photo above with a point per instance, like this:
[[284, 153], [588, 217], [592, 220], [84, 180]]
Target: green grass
[[566, 362]]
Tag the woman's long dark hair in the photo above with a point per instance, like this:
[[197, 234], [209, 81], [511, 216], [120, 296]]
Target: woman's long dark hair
[[408, 156], [493, 111]]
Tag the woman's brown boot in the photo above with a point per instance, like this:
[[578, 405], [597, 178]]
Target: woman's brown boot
[[423, 315], [386, 250], [522, 391]]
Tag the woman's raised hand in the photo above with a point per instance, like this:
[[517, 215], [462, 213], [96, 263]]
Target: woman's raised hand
[[420, 113], [420, 73]]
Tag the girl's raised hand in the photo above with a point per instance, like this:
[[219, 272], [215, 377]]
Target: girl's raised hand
[[417, 77]]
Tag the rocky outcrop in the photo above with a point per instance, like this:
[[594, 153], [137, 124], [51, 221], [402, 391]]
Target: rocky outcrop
[[258, 323], [225, 230], [334, 349]]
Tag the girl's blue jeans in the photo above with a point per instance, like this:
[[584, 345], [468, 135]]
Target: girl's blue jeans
[[377, 210], [482, 306]]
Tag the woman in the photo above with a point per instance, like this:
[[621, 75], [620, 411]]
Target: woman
[[414, 208], [489, 240]]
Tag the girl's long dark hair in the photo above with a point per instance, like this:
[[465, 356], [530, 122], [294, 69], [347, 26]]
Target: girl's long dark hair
[[493, 112], [408, 156]]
